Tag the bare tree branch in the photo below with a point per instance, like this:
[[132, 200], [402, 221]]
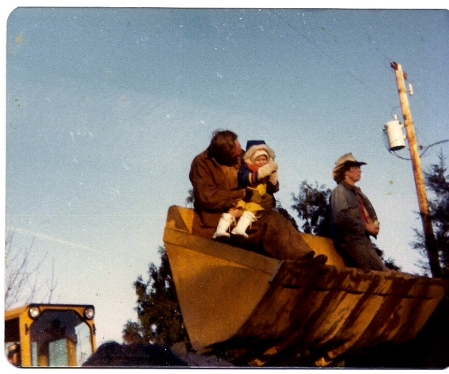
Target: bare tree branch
[[23, 283]]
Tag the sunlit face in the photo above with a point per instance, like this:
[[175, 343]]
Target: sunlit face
[[353, 175], [260, 160]]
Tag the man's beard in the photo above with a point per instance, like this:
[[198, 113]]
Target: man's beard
[[227, 159], [224, 156]]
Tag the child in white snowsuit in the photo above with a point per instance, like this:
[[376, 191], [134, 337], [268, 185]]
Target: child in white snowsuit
[[258, 175]]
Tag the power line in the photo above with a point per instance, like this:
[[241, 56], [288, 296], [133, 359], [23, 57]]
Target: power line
[[361, 82]]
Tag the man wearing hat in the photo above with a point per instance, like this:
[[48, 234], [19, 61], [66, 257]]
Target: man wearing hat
[[354, 219]]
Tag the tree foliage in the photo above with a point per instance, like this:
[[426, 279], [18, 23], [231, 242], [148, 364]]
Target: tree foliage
[[158, 312], [190, 199], [312, 206], [437, 182]]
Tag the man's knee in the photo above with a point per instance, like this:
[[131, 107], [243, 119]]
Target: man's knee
[[272, 218]]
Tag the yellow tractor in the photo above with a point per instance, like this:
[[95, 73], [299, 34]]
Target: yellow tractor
[[49, 335]]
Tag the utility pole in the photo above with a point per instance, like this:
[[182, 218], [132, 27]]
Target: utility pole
[[429, 236]]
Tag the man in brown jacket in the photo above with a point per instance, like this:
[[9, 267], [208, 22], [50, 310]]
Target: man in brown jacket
[[213, 175]]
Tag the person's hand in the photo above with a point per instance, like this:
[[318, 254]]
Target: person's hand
[[273, 178], [240, 194], [372, 229], [267, 169]]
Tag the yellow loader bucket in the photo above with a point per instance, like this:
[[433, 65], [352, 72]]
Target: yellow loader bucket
[[234, 299]]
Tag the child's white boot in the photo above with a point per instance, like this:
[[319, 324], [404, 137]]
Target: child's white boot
[[223, 226], [244, 222]]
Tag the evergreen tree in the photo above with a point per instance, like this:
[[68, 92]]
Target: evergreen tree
[[132, 333], [312, 206], [159, 317], [437, 181], [190, 199]]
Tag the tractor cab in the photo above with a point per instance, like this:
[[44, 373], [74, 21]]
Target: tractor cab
[[49, 335]]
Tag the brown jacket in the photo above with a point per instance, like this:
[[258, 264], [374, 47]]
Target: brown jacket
[[215, 189]]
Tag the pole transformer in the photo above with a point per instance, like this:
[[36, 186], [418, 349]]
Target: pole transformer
[[429, 236]]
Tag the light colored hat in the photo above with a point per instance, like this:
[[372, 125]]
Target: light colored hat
[[346, 160]]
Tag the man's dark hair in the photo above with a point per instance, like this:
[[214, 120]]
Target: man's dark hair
[[221, 146], [339, 174]]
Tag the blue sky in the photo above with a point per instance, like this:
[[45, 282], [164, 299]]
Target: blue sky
[[105, 109]]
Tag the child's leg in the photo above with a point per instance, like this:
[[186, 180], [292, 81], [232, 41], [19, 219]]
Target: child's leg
[[223, 226], [244, 222]]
